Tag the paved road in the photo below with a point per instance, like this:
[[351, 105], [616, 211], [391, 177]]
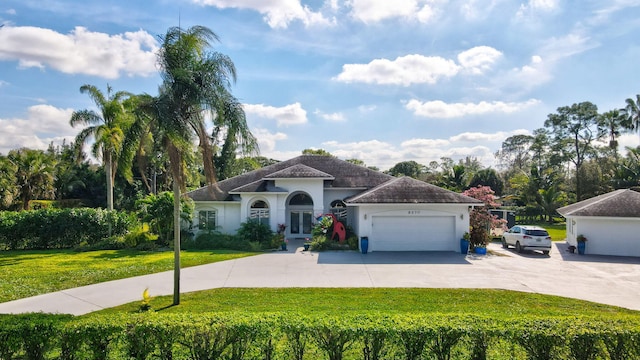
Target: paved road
[[607, 280]]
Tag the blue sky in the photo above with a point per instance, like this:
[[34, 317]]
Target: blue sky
[[381, 81]]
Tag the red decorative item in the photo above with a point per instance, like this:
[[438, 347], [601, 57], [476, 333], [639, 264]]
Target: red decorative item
[[338, 229]]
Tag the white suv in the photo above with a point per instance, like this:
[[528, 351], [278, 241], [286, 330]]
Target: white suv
[[527, 237]]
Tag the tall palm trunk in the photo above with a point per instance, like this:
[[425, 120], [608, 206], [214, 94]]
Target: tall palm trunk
[[108, 170], [176, 242]]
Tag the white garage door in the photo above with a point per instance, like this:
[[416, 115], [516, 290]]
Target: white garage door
[[401, 233]]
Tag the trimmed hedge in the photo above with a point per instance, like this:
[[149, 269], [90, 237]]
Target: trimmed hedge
[[300, 336], [60, 228]]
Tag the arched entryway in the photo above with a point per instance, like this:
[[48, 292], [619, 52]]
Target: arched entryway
[[300, 214]]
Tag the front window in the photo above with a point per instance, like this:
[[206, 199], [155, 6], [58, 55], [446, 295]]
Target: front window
[[339, 210], [260, 212], [207, 220]]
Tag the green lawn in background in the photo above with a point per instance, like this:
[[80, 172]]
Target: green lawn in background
[[29, 273], [481, 302], [558, 231]]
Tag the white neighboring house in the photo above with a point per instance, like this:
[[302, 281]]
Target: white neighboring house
[[610, 222], [396, 214]]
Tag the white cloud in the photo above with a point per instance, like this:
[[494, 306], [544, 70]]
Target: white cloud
[[372, 152], [440, 109], [42, 125], [535, 73], [385, 155], [479, 59], [558, 48], [367, 108], [292, 114], [419, 69], [537, 6], [334, 117], [369, 11], [277, 13], [81, 51], [424, 143], [479, 137], [404, 70], [11, 12], [267, 140]]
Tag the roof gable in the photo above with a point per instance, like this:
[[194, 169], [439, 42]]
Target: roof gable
[[618, 203], [406, 190]]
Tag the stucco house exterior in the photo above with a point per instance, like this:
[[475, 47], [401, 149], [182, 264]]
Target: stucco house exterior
[[396, 214], [610, 222]]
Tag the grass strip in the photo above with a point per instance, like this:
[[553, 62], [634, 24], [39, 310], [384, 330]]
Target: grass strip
[[480, 302], [30, 273]]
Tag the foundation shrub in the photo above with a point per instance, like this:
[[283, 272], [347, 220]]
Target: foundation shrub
[[303, 336]]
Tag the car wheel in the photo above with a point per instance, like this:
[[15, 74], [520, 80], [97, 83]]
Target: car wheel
[[504, 243], [518, 247], [546, 252]]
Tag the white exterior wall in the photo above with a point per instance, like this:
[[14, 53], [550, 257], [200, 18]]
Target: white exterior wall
[[228, 215], [606, 236], [365, 214]]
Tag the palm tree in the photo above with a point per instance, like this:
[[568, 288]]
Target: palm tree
[[34, 174], [106, 127], [8, 188], [632, 112], [611, 123], [196, 82]]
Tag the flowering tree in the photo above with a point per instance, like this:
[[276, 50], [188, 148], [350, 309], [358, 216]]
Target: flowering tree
[[480, 219]]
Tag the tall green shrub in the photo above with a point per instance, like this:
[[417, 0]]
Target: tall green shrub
[[60, 228]]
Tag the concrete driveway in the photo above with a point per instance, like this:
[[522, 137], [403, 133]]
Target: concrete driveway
[[607, 280]]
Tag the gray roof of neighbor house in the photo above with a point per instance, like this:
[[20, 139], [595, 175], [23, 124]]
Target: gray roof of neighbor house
[[618, 203], [406, 190], [339, 173]]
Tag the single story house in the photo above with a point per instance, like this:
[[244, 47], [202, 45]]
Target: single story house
[[610, 222], [396, 214]]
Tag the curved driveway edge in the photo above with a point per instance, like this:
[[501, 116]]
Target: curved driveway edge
[[607, 280]]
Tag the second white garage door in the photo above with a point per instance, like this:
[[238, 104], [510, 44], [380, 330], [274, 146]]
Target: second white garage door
[[401, 233]]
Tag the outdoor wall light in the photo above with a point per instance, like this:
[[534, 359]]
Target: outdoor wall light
[[365, 216], [461, 216]]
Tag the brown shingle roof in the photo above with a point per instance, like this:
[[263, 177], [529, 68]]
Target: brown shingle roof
[[618, 203], [299, 171], [345, 174], [406, 190], [258, 186]]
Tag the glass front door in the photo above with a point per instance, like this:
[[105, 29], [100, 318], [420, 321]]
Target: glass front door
[[301, 222]]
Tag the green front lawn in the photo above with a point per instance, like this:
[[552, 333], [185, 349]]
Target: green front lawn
[[481, 302], [29, 273]]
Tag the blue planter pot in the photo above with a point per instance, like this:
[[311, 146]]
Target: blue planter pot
[[364, 244], [464, 246], [481, 250], [581, 247]]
